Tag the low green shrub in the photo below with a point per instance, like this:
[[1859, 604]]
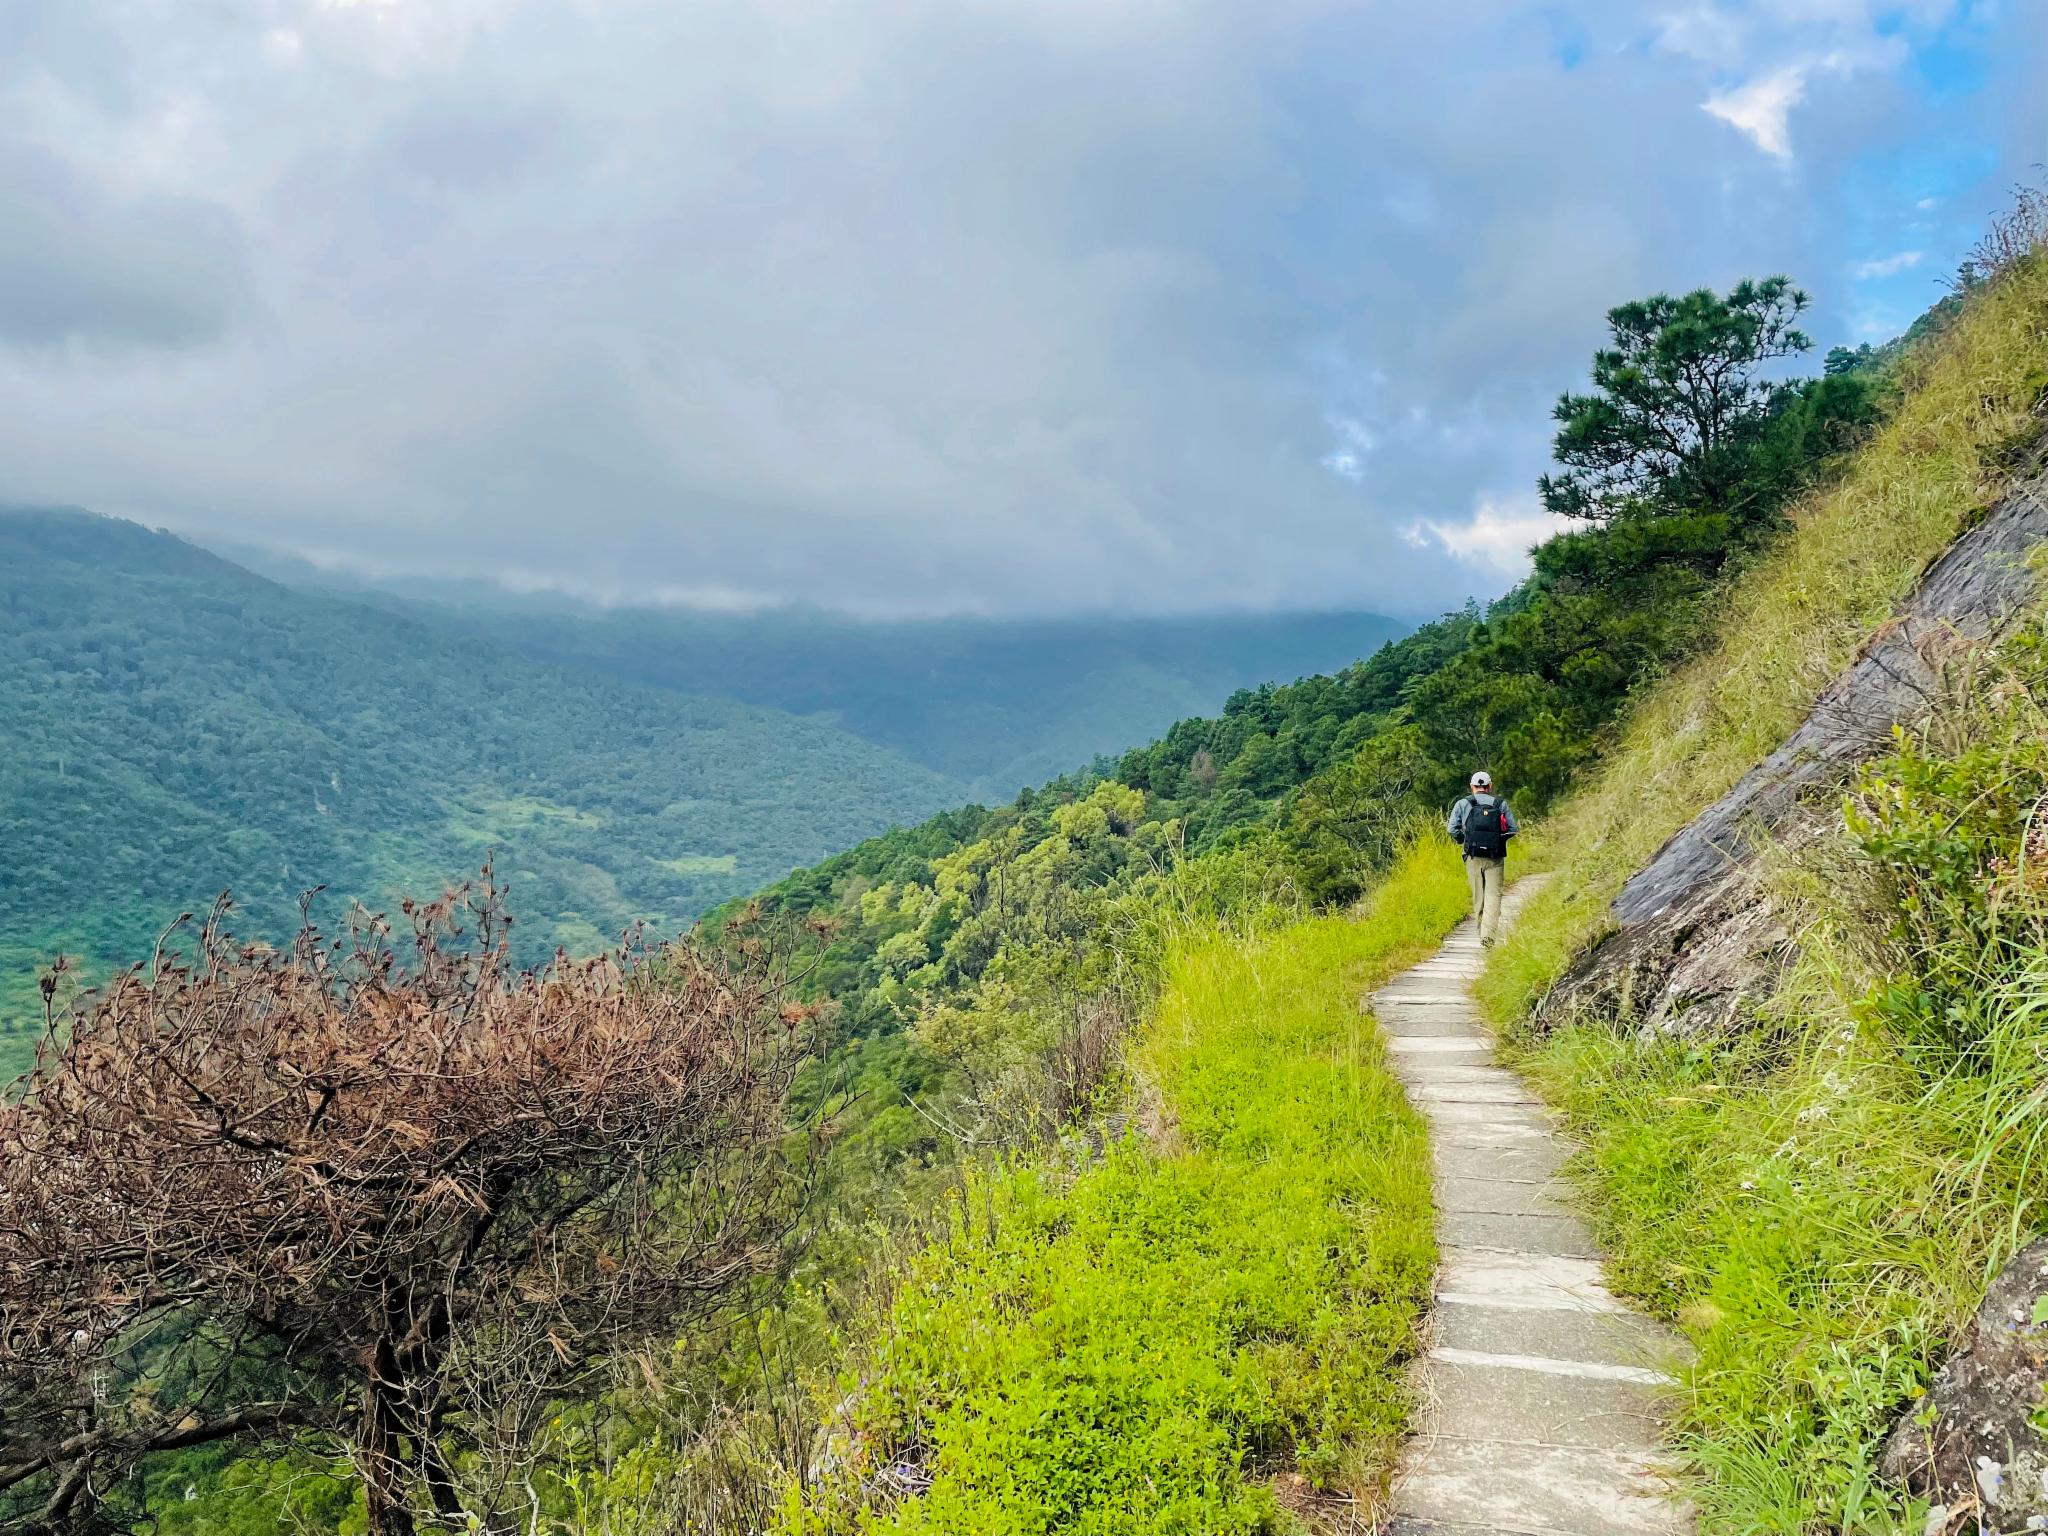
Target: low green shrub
[[1136, 1342]]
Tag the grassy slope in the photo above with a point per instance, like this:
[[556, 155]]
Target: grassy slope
[[1795, 622], [1815, 1206], [1135, 1344]]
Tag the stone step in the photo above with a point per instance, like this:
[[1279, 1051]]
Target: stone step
[[1510, 1279], [1441, 1026], [1510, 1127], [1501, 1160], [1404, 1525], [1509, 1092], [1494, 1196], [1559, 1236], [1519, 1405], [1611, 1338], [1475, 1047], [1540, 1489], [1451, 1072], [1453, 1067]]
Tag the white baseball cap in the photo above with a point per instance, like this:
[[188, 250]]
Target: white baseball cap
[[1482, 780]]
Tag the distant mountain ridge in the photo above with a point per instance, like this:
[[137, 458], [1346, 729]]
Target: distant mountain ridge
[[175, 724], [997, 704]]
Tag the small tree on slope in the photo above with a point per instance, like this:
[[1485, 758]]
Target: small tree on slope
[[1678, 403], [324, 1190]]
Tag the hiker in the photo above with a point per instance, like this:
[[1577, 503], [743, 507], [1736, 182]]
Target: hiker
[[1481, 824]]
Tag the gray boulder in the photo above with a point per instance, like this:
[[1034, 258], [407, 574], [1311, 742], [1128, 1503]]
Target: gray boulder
[[1968, 594], [1971, 1444], [1698, 941]]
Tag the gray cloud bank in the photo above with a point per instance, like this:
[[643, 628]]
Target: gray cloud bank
[[923, 305]]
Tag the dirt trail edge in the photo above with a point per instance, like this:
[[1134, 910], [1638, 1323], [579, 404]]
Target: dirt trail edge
[[1538, 1390]]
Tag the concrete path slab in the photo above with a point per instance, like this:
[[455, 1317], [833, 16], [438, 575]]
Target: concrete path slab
[[1563, 1237], [1506, 1163], [1483, 1195], [1615, 1338], [1570, 1490], [1539, 1392], [1451, 1113], [1444, 1023]]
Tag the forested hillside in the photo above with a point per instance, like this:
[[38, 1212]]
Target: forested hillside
[[995, 704], [1056, 1054], [176, 726]]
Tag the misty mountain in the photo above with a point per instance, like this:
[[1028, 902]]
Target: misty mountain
[[176, 724], [995, 704]]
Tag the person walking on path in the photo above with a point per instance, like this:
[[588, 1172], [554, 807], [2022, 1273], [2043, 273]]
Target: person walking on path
[[1481, 824]]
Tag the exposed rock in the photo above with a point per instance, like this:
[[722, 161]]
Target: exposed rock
[[1966, 595], [1699, 939], [1693, 969], [1970, 1445]]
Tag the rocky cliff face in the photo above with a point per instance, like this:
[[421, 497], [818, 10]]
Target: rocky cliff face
[[1972, 1447], [1698, 938]]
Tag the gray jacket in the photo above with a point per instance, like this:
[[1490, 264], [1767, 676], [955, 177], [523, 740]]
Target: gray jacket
[[1456, 825]]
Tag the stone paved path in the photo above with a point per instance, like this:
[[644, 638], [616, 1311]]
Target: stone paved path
[[1538, 1391]]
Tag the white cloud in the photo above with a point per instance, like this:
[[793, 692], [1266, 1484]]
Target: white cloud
[[1774, 49], [1703, 32], [1888, 266], [1496, 537], [1354, 442], [1012, 307], [1762, 108]]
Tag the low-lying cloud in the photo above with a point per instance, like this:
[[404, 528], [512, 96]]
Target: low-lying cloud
[[922, 306]]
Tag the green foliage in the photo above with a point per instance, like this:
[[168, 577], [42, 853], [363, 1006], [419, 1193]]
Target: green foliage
[[1677, 403], [1958, 830], [1135, 1343], [1820, 1201], [176, 726], [208, 1492], [1344, 825]]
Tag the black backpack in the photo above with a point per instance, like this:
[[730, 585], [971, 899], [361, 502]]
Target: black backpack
[[1485, 829]]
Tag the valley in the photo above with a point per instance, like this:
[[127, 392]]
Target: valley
[[180, 726], [1023, 770]]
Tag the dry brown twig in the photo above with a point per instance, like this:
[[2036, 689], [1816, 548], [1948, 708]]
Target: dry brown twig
[[401, 1198]]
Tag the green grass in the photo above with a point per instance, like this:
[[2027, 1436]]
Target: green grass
[[1138, 1343], [1819, 1219], [1794, 622], [1820, 1200]]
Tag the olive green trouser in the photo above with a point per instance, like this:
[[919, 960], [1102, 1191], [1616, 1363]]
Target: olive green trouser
[[1485, 878]]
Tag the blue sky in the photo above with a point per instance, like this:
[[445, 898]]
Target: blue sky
[[929, 305]]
